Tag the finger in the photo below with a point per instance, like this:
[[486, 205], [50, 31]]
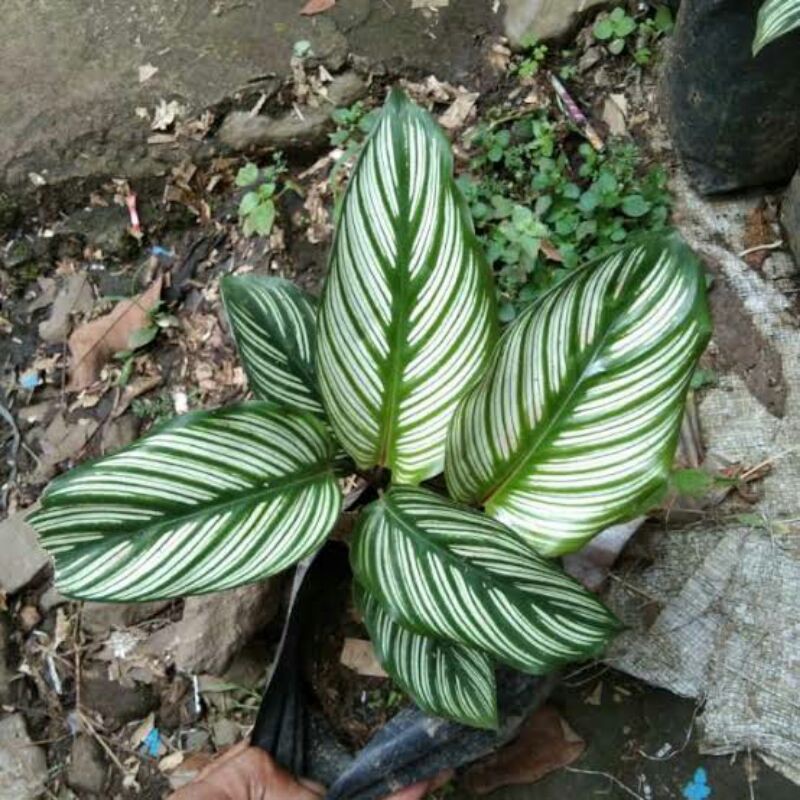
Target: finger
[[223, 758], [317, 788], [419, 790]]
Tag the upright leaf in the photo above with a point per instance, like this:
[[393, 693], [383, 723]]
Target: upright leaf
[[274, 326], [445, 679], [446, 571], [575, 425], [775, 18], [407, 318], [209, 501]]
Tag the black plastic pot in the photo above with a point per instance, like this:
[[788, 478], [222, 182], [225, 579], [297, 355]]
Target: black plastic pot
[[412, 747], [734, 117]]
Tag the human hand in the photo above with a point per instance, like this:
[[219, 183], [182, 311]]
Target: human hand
[[248, 773]]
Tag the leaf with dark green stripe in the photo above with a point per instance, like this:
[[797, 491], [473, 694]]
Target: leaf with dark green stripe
[[274, 327], [446, 571], [209, 501], [574, 426], [408, 316], [445, 679]]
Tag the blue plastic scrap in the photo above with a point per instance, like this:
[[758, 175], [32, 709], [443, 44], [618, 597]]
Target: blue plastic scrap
[[153, 742], [698, 789]]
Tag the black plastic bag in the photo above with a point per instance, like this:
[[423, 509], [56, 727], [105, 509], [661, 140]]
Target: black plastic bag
[[734, 117]]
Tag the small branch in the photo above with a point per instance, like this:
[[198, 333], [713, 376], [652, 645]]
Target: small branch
[[758, 248], [608, 776]]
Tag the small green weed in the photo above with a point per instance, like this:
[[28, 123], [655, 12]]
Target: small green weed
[[620, 31], [542, 205], [352, 125], [257, 209], [534, 55]]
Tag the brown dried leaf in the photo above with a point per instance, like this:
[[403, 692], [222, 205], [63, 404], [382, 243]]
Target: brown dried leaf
[[94, 343], [758, 231], [313, 7], [359, 656], [545, 743]]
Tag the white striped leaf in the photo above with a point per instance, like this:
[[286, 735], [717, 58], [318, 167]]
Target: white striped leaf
[[575, 425], [775, 18], [274, 327], [447, 571], [209, 501], [408, 315], [445, 679]]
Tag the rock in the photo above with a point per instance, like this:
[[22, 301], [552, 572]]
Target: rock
[[118, 433], [23, 558], [86, 773], [99, 619], [241, 131], [225, 732], [106, 229], [23, 766], [543, 19], [215, 627], [790, 216], [75, 297], [115, 703], [51, 599]]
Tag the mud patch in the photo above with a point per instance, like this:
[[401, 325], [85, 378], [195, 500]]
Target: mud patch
[[742, 348]]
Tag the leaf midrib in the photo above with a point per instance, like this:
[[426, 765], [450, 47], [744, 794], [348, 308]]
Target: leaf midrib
[[477, 573], [527, 452], [155, 526]]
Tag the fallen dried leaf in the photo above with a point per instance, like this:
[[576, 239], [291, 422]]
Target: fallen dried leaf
[[76, 297], [171, 762], [758, 231], [359, 655], [545, 743], [615, 113], [459, 110], [313, 7], [93, 343]]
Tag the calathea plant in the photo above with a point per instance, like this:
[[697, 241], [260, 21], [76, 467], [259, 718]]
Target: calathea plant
[[560, 427]]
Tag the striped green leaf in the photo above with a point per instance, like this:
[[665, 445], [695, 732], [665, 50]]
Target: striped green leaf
[[408, 316], [445, 679], [446, 571], [775, 18], [209, 501], [575, 425], [274, 327]]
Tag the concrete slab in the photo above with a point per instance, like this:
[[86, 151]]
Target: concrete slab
[[70, 79]]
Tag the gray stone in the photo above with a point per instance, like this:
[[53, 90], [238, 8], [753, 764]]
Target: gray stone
[[104, 228], [51, 599], [241, 131], [22, 556], [118, 433], [99, 619], [87, 769], [23, 765], [115, 703], [790, 216], [225, 732], [75, 73], [543, 19], [215, 627]]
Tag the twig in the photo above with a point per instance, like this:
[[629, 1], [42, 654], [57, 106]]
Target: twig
[[759, 247], [8, 418], [685, 744], [608, 776], [102, 742]]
